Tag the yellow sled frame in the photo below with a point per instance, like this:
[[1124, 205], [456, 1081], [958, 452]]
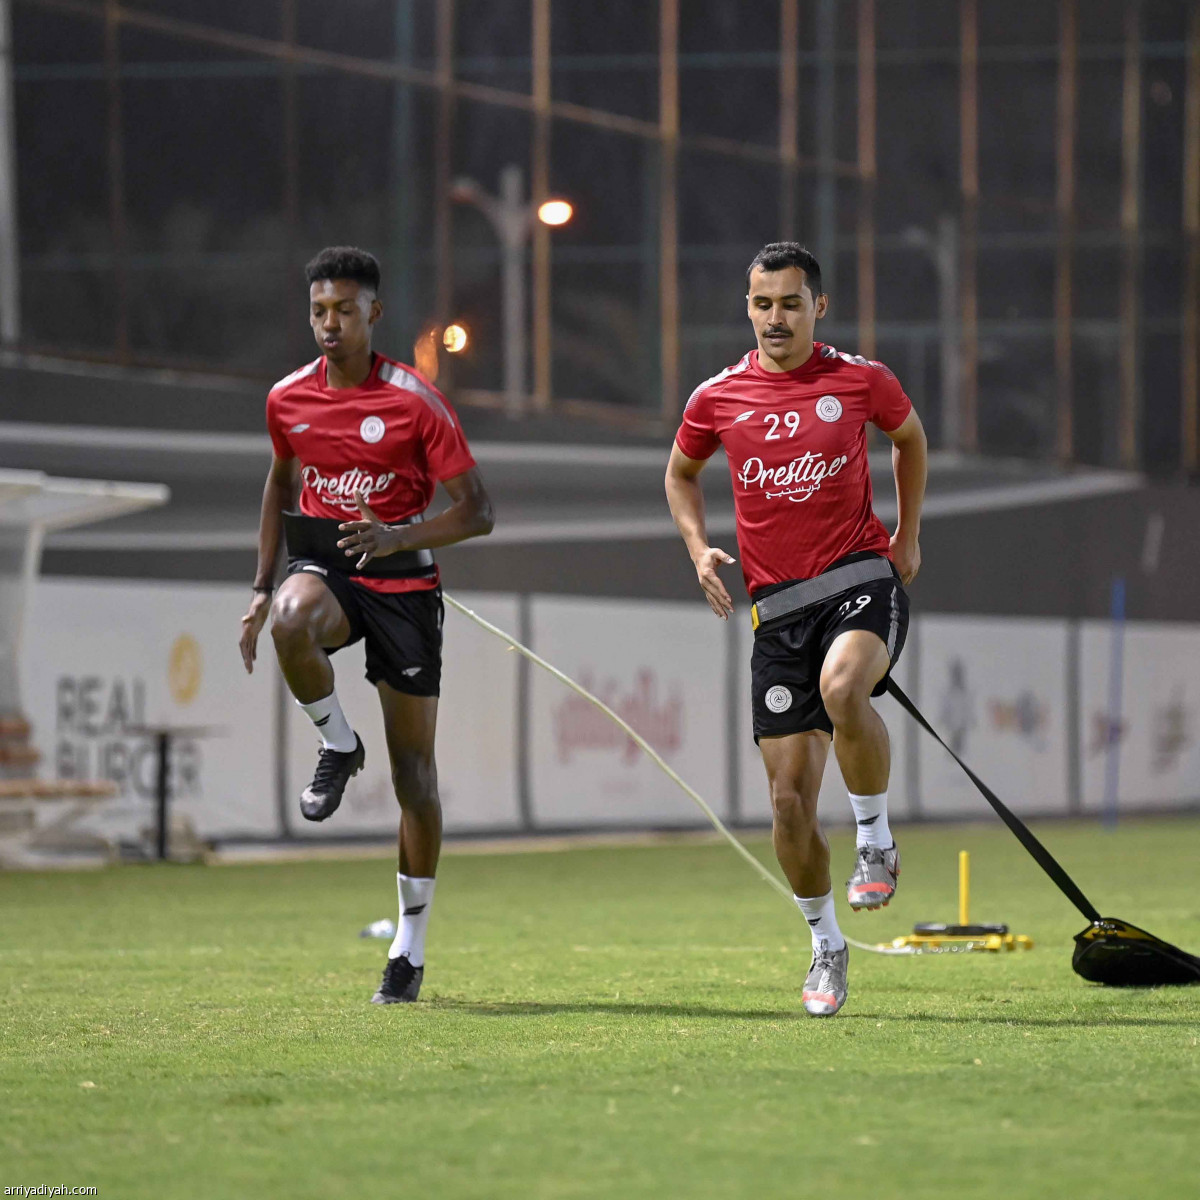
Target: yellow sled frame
[[961, 943]]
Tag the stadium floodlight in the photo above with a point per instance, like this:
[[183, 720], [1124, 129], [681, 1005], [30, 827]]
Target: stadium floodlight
[[455, 338], [555, 212], [513, 218]]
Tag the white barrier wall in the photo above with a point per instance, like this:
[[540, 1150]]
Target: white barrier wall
[[1154, 730], [662, 667], [102, 658], [996, 690]]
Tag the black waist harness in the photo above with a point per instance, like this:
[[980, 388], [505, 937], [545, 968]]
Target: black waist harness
[[317, 538], [790, 600]]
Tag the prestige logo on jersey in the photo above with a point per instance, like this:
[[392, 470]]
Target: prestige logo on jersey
[[796, 480], [340, 489]]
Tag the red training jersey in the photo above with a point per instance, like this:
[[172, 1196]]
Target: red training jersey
[[394, 438], [797, 449]]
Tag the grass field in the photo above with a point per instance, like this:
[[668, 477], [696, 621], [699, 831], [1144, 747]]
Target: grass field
[[617, 1022]]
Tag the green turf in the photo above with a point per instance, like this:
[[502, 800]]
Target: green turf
[[599, 1022]]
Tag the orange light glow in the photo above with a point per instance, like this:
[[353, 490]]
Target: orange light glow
[[555, 212], [425, 353], [455, 339]]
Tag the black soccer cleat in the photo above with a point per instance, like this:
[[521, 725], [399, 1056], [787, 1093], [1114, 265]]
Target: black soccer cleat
[[401, 982], [334, 769]]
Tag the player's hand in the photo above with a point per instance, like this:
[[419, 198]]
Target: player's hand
[[707, 562], [252, 623], [906, 554], [369, 538]]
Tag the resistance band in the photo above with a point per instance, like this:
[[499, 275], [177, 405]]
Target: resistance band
[[658, 760], [1041, 855], [1110, 951]]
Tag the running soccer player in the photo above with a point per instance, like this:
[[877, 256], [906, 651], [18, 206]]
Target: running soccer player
[[364, 441], [830, 613]]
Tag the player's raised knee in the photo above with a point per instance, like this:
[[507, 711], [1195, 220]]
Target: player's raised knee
[[844, 691], [292, 620]]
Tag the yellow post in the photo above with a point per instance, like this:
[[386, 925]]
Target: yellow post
[[964, 888]]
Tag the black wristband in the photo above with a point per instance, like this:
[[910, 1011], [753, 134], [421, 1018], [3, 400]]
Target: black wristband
[[267, 588]]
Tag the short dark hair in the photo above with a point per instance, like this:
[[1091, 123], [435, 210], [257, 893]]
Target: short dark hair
[[775, 256], [344, 262]]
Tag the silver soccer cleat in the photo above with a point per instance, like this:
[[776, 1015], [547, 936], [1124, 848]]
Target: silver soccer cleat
[[873, 882], [825, 986]]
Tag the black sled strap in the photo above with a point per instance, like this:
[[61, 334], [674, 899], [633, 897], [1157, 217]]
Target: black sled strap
[[1041, 855]]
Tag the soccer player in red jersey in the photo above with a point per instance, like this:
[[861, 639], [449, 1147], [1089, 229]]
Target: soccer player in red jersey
[[830, 612], [364, 441]]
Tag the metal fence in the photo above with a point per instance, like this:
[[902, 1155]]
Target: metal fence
[[1004, 194]]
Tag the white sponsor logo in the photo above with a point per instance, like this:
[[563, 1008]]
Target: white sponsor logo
[[298, 428], [797, 480], [778, 698], [340, 490], [745, 416], [829, 408], [372, 429]]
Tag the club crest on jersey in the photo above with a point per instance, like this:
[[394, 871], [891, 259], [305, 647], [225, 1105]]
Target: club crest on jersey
[[372, 429], [829, 408], [778, 698]]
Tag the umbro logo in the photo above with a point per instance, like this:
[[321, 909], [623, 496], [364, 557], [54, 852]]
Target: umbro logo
[[298, 428], [744, 416]]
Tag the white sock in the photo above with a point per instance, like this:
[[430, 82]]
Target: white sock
[[416, 899], [871, 814], [326, 714], [822, 920]]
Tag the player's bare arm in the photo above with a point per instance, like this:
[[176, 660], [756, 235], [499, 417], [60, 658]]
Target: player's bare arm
[[686, 500], [279, 493], [910, 465], [469, 515]]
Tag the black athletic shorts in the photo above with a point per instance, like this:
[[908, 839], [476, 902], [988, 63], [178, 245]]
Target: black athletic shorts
[[402, 630], [785, 668]]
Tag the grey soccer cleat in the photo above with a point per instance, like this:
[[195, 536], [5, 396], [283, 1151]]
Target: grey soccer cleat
[[401, 982], [873, 882], [825, 986]]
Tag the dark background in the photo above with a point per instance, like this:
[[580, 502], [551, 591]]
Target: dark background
[[206, 261]]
